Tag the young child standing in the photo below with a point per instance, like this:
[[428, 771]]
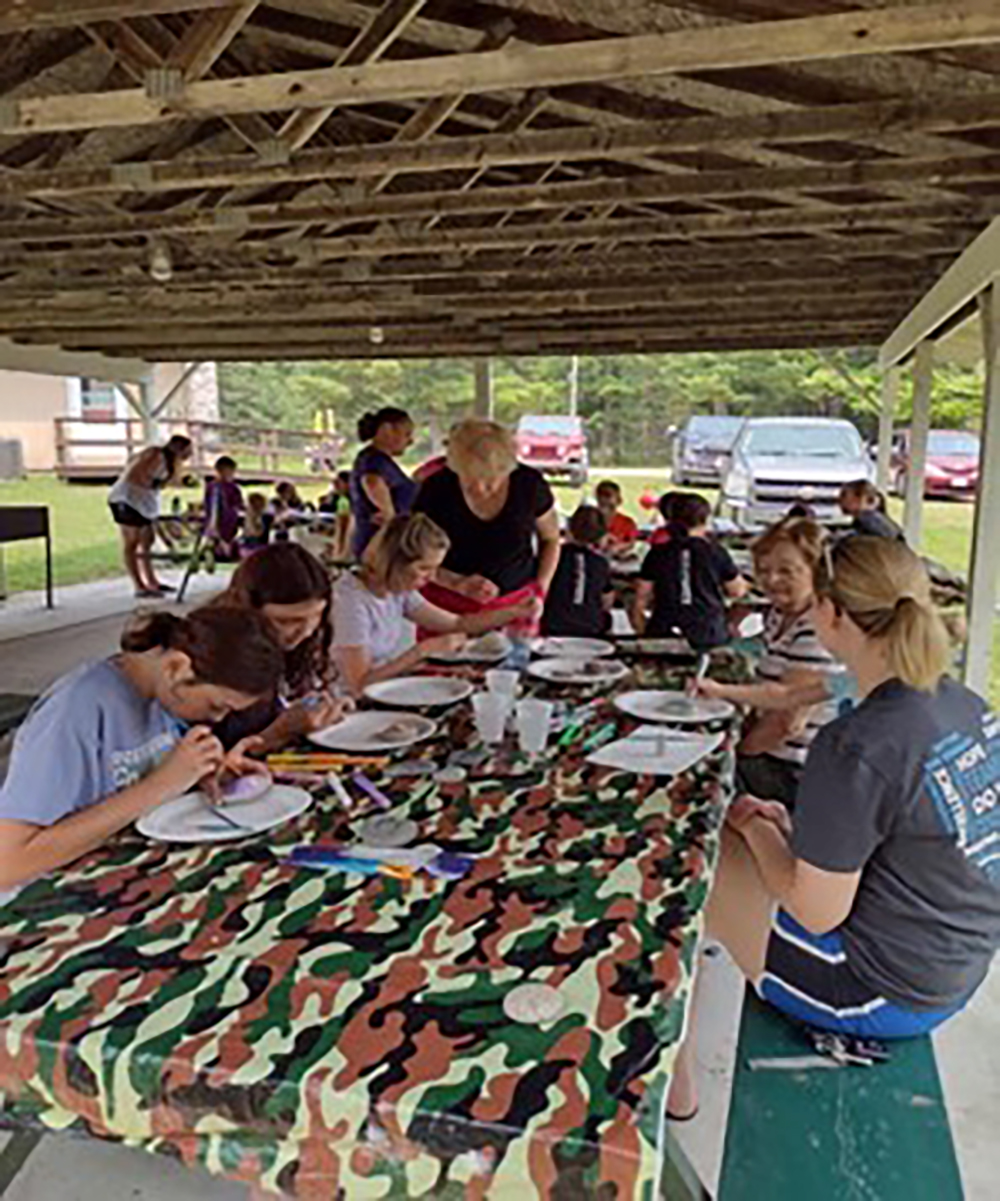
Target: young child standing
[[622, 531], [863, 502], [107, 742], [688, 580], [579, 598], [256, 523], [224, 508]]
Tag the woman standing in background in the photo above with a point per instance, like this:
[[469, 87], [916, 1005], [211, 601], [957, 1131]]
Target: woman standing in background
[[134, 501], [380, 488]]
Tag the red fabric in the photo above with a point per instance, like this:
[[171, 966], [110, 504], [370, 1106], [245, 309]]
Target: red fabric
[[622, 528], [456, 602], [659, 536]]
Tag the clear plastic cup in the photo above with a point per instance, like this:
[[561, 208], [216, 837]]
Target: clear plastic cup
[[490, 710], [534, 720], [503, 682]]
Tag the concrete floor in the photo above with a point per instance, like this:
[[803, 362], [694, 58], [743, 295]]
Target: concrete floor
[[69, 1169]]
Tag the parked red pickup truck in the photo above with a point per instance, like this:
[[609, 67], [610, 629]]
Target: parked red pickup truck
[[556, 446]]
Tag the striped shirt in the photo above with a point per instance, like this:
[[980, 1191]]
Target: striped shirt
[[791, 646]]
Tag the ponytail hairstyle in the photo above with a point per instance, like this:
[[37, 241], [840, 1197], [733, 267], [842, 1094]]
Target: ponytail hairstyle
[[284, 573], [688, 510], [402, 541], [865, 492], [227, 648], [371, 423], [885, 590], [177, 448]]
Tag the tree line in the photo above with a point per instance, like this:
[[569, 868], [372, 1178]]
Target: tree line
[[630, 402]]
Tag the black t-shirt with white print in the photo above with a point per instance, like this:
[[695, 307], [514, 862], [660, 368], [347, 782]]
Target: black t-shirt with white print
[[688, 576]]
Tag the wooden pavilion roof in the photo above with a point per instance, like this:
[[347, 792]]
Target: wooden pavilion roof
[[339, 178]]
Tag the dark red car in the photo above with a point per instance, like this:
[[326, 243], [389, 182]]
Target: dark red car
[[952, 464]]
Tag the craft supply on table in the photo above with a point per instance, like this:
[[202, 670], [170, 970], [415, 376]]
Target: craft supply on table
[[321, 760], [339, 791], [370, 790], [411, 767], [429, 858], [600, 736], [656, 751], [592, 672], [386, 830], [418, 692], [223, 816], [793, 1063], [451, 775], [533, 1004], [247, 787]]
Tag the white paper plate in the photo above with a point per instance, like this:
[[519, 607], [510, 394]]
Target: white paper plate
[[671, 647], [572, 648], [490, 648], [676, 708], [419, 692], [375, 731], [188, 819], [656, 750], [578, 671]]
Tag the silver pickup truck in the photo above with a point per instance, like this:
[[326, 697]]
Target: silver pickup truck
[[777, 462]]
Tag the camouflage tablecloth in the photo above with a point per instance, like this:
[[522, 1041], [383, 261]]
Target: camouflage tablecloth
[[325, 1036]]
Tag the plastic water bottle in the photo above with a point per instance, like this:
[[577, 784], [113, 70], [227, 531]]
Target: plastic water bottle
[[520, 653]]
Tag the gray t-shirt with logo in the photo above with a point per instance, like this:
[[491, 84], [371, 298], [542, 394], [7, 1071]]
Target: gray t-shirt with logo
[[90, 736], [906, 788]]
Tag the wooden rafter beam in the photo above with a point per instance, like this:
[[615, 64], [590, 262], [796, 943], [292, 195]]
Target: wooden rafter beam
[[19, 15], [314, 259], [641, 189], [387, 23], [845, 35], [303, 305], [207, 38], [708, 134]]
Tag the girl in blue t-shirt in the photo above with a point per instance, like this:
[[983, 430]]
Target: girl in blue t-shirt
[[107, 742]]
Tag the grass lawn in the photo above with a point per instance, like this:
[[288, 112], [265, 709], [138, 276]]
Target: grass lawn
[[85, 540]]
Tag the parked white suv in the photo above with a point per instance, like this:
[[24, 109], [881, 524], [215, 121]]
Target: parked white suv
[[778, 462]]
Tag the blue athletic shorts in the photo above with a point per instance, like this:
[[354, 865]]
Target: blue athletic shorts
[[808, 978]]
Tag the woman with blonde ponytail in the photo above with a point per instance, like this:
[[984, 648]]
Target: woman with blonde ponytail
[[875, 909]]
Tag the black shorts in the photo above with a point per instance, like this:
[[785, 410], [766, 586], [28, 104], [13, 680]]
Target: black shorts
[[125, 515]]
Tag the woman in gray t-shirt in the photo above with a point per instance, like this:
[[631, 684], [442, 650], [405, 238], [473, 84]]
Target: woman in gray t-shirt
[[875, 909], [374, 612]]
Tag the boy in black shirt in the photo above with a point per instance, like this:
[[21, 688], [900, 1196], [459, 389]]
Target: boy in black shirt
[[579, 597], [862, 501], [688, 580]]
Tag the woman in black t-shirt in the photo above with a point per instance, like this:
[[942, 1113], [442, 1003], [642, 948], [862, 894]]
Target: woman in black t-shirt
[[874, 910], [499, 516]]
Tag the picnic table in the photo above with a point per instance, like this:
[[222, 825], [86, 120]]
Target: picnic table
[[323, 1035]]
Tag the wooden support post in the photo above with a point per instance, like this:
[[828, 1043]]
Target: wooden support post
[[484, 388], [887, 413], [923, 383], [984, 563]]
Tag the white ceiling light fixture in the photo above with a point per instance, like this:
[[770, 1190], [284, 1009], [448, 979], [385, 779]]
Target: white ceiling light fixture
[[376, 335], [161, 263]]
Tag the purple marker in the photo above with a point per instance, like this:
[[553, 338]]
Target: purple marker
[[371, 791]]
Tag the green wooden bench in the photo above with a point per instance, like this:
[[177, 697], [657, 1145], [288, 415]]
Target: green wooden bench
[[854, 1134]]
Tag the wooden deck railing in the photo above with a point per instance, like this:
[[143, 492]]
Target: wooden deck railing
[[102, 448]]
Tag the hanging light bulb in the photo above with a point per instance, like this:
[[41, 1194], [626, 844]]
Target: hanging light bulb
[[376, 335], [161, 263]]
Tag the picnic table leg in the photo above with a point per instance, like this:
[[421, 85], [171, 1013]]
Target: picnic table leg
[[15, 1155], [48, 567], [192, 566]]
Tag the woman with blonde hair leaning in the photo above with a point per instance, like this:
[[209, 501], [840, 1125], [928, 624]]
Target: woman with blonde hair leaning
[[500, 518], [374, 610], [875, 908]]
